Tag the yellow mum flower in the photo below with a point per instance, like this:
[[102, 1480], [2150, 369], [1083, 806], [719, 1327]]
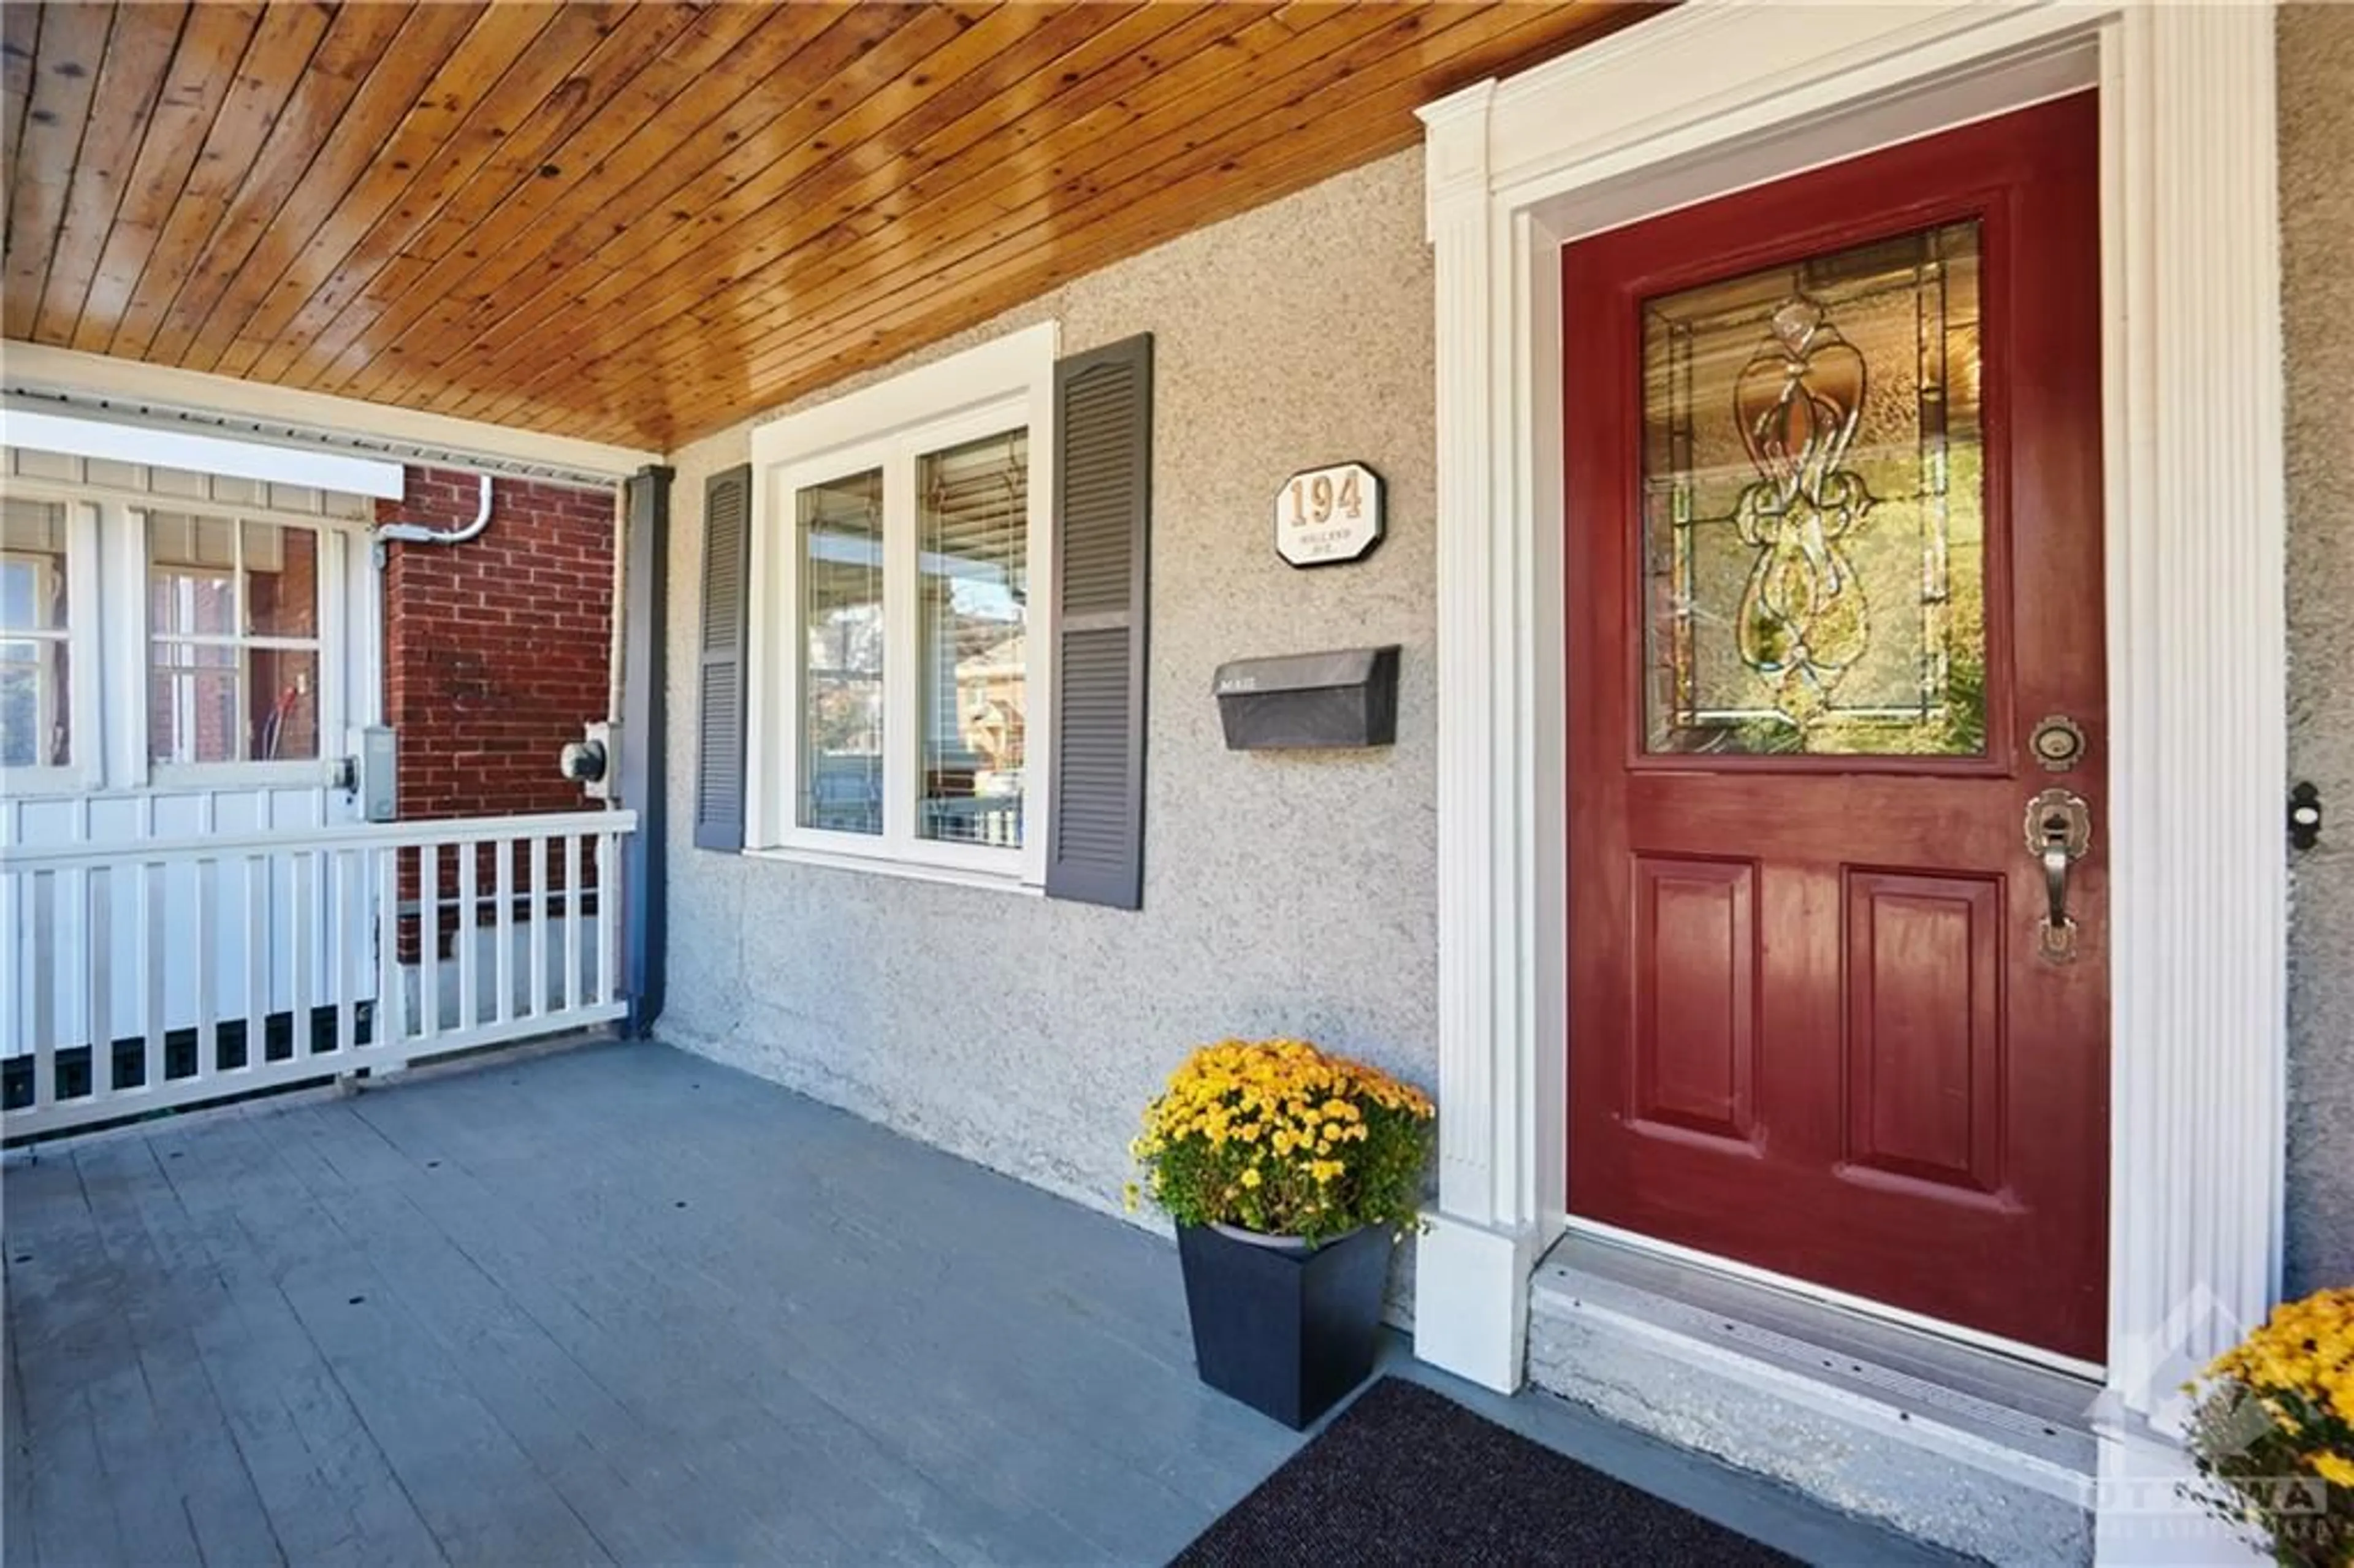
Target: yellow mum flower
[[1266, 1118], [2335, 1468]]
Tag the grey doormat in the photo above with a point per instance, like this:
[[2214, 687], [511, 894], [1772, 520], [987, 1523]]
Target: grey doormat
[[1407, 1475]]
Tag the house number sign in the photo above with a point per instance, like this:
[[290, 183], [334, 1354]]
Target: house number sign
[[1325, 516]]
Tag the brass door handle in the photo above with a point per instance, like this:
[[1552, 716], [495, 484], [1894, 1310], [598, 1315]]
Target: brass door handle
[[2055, 883], [2059, 830]]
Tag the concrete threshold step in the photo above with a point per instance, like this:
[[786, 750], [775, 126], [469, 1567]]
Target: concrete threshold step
[[1968, 1449]]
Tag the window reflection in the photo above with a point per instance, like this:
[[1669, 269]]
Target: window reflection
[[233, 622], [973, 596], [36, 692], [840, 527]]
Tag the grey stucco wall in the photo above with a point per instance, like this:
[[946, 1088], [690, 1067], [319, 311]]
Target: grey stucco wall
[[2317, 119], [1024, 1033], [1291, 894]]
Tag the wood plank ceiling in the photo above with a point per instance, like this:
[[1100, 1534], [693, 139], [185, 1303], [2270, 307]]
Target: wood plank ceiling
[[640, 223]]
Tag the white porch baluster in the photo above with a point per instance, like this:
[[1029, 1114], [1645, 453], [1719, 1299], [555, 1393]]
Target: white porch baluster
[[45, 1015], [207, 945], [350, 930], [608, 916], [538, 998], [467, 893], [304, 934], [387, 1030], [257, 960], [151, 975], [429, 941], [505, 880], [336, 887], [97, 944], [571, 921]]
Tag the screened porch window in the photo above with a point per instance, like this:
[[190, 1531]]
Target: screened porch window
[[233, 631], [36, 653]]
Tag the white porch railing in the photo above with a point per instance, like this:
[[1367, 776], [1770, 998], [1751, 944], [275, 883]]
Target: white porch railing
[[164, 972]]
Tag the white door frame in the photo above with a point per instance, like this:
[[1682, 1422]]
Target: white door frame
[[1715, 96]]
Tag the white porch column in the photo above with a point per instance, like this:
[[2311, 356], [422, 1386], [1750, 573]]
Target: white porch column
[[2198, 643], [1473, 1262]]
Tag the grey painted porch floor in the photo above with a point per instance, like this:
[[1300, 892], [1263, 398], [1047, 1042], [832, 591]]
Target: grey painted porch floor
[[619, 1304]]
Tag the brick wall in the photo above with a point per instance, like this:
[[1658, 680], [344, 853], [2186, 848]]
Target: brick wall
[[496, 650]]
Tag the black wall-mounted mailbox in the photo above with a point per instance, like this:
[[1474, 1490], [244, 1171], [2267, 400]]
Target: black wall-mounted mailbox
[[1347, 697]]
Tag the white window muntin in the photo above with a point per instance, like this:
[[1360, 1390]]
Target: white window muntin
[[1000, 385]]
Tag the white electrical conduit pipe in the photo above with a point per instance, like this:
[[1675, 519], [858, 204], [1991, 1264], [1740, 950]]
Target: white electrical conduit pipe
[[418, 533]]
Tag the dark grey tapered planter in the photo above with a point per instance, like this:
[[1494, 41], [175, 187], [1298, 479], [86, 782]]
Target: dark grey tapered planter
[[1287, 1331]]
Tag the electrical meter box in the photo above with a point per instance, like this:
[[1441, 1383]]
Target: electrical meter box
[[1347, 697], [594, 761], [379, 769]]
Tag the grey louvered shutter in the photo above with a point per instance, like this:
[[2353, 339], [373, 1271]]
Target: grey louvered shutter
[[1103, 502], [719, 712]]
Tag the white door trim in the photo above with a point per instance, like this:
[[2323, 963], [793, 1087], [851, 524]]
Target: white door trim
[[1715, 96]]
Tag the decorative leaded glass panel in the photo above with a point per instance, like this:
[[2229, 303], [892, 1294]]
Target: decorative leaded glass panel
[[1814, 536]]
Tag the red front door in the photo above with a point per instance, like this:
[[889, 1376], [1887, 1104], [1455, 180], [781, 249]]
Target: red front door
[[1835, 599]]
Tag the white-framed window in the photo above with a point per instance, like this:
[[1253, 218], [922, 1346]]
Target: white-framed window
[[233, 644], [41, 564], [901, 622], [153, 637]]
